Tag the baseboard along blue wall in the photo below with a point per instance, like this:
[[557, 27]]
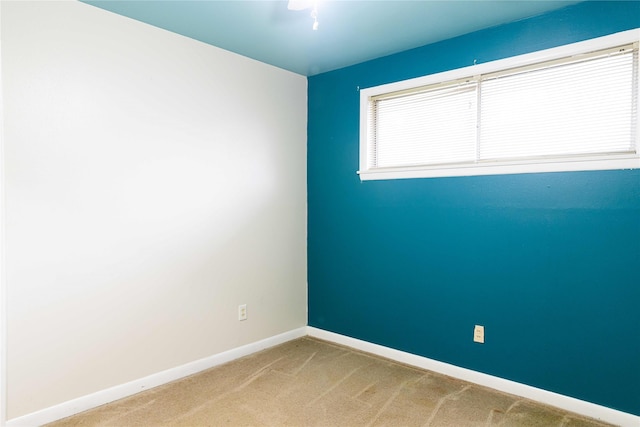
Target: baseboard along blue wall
[[547, 262]]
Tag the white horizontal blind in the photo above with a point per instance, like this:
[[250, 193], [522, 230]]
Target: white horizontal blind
[[574, 108], [561, 108], [430, 127]]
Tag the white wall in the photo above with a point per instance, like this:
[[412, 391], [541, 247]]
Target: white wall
[[153, 183]]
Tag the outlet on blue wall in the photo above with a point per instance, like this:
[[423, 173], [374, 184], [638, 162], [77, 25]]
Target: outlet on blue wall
[[546, 262]]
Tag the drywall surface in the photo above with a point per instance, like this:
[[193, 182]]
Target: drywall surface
[[547, 263], [153, 184]]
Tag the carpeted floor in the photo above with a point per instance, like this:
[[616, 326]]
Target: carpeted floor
[[308, 382]]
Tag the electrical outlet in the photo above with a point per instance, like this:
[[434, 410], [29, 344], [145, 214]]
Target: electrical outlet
[[242, 312], [478, 334]]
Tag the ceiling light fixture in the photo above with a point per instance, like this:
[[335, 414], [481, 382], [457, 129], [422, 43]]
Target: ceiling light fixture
[[306, 4]]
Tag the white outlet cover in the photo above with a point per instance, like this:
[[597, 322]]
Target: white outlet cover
[[478, 334], [242, 312]]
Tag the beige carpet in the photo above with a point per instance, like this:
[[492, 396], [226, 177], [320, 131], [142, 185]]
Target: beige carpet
[[308, 382]]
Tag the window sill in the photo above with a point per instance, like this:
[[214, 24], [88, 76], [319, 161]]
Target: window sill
[[502, 168]]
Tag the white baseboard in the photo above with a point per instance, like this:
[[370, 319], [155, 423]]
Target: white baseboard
[[567, 403], [94, 400]]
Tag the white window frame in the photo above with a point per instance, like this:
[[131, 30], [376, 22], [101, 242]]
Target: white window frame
[[577, 163]]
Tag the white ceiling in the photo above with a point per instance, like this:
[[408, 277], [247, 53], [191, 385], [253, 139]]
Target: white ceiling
[[350, 31]]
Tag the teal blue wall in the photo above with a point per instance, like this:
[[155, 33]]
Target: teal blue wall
[[548, 263]]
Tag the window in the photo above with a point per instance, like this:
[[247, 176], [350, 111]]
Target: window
[[564, 109]]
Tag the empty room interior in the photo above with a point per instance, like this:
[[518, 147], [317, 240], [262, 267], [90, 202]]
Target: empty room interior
[[186, 183]]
